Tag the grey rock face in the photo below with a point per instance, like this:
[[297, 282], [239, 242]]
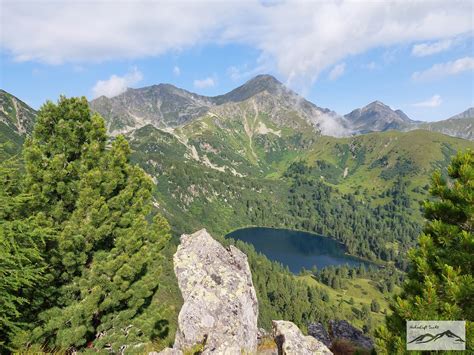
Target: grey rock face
[[469, 113], [377, 116], [291, 341], [220, 307], [318, 331], [162, 105], [344, 330]]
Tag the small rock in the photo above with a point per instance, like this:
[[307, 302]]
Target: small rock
[[318, 331], [291, 341], [344, 330], [261, 333]]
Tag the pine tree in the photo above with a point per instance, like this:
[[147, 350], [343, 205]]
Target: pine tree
[[105, 258], [21, 265], [375, 306], [440, 284]]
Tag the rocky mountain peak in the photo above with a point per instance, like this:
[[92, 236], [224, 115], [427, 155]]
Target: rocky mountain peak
[[254, 86], [377, 116], [376, 104], [465, 114]]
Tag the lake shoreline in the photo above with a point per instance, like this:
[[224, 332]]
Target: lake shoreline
[[377, 263], [297, 249]]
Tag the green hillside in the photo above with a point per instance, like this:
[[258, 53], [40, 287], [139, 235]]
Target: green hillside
[[363, 190], [16, 121]]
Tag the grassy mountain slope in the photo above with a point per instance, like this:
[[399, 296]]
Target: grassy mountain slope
[[461, 125], [362, 291], [211, 173], [373, 161], [16, 114], [16, 121]]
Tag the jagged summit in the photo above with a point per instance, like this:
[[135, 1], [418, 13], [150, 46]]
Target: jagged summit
[[469, 113], [254, 86], [162, 105], [377, 116]]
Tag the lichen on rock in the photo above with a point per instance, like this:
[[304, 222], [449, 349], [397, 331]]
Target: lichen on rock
[[291, 341], [220, 307]]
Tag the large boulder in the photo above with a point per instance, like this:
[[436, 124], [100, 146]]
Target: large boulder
[[220, 307], [291, 341], [318, 331], [341, 329]]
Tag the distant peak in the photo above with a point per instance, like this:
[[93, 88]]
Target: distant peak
[[265, 78], [263, 82], [377, 103], [465, 114], [254, 86]]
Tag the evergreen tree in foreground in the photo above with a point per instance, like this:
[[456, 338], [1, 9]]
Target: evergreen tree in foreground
[[21, 264], [104, 259], [440, 283]]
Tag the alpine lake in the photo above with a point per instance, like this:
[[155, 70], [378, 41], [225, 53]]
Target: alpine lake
[[296, 249]]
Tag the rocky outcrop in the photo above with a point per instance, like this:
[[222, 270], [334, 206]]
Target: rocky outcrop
[[318, 331], [220, 307], [341, 329], [291, 341]]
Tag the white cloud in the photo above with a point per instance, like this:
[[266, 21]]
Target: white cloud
[[424, 49], [370, 66], [444, 69], [116, 85], [299, 39], [337, 71], [205, 83], [244, 71], [434, 101], [176, 71]]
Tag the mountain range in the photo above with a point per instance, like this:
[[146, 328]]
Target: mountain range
[[228, 161], [165, 106]]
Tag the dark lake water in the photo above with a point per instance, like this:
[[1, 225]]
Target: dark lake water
[[294, 248]]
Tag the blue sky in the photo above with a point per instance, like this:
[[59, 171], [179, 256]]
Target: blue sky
[[341, 55]]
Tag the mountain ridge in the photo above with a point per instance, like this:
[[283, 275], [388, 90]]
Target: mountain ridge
[[166, 106], [460, 125]]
